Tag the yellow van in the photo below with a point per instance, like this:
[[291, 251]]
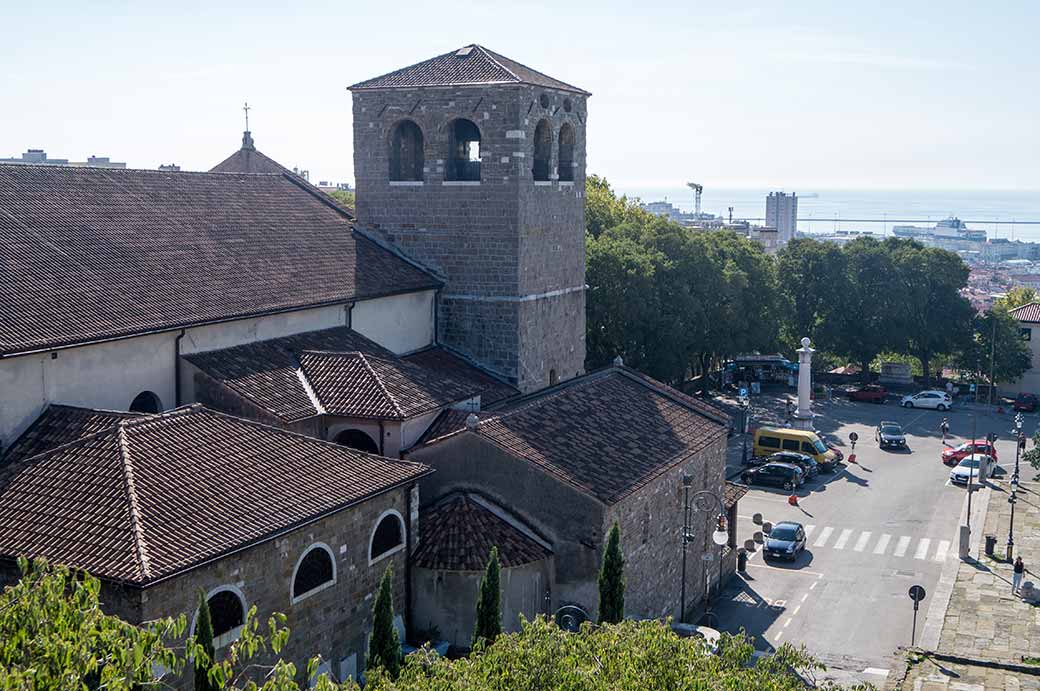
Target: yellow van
[[769, 440]]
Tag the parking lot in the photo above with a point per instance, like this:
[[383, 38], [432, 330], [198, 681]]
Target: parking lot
[[874, 528]]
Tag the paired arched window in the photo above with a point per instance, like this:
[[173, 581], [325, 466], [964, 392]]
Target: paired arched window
[[406, 152], [316, 570], [146, 402], [566, 167], [542, 150], [388, 536], [356, 439], [463, 151]]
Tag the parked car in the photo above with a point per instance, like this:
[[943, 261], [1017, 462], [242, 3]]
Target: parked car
[[777, 474], [1025, 402], [710, 636], [871, 393], [770, 440], [785, 541], [889, 435], [808, 465], [958, 453], [939, 400], [977, 466]]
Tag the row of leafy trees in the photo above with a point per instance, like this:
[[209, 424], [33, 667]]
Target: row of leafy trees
[[673, 302]]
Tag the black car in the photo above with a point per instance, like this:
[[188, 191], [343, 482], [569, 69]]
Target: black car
[[889, 435], [777, 474], [786, 541], [810, 468]]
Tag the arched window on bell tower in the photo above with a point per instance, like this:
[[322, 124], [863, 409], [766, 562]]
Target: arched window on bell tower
[[463, 151], [406, 152], [566, 166], [542, 150]]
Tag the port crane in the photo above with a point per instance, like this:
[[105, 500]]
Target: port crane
[[697, 189]]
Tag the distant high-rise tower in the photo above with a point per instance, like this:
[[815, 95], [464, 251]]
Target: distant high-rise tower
[[782, 214], [474, 164]]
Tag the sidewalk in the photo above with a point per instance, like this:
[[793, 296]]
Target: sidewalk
[[987, 638]]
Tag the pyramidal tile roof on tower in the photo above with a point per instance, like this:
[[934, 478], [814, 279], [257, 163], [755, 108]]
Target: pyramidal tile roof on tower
[[471, 65]]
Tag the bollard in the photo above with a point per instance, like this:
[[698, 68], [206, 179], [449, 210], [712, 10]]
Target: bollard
[[793, 500], [852, 458], [991, 543], [741, 560]]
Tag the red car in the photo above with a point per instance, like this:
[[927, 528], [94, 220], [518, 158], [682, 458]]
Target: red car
[[869, 394], [958, 453], [1025, 402]]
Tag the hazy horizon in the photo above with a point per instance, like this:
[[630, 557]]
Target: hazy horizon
[[814, 96]]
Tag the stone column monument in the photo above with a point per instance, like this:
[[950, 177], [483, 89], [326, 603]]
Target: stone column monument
[[803, 417]]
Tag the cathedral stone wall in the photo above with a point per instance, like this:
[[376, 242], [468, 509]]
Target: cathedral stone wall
[[504, 243]]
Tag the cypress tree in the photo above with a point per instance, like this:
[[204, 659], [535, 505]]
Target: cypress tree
[[489, 603], [612, 580], [204, 637], [384, 648]]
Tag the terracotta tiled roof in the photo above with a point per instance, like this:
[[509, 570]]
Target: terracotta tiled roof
[[154, 496], [608, 433], [61, 424], [1027, 313], [440, 359], [459, 532], [94, 253], [471, 65], [347, 374], [732, 493]]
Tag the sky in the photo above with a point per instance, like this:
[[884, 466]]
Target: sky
[[834, 95]]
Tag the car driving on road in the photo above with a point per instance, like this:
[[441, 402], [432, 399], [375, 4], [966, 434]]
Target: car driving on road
[[1025, 402], [938, 400], [782, 475], [889, 435], [785, 541], [971, 467], [808, 465], [958, 453], [872, 393]]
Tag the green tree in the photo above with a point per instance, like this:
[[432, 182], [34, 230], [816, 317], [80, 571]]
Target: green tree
[[384, 647], [204, 638], [612, 580], [344, 197], [996, 344], [489, 604], [1018, 296], [811, 277]]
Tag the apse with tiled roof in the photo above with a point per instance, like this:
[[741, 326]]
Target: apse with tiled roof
[[474, 164]]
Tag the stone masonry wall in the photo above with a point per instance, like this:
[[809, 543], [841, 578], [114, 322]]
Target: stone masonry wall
[[499, 242]]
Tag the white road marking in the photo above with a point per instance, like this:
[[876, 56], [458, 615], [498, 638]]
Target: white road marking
[[779, 636], [804, 596], [877, 671], [802, 572], [825, 535], [941, 550], [922, 548], [861, 543], [787, 622], [808, 530], [904, 542], [843, 538], [882, 544], [813, 585], [796, 610]]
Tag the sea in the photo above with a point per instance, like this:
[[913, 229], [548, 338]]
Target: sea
[[824, 211]]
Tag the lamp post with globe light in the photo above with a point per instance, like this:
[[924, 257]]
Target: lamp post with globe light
[[704, 500]]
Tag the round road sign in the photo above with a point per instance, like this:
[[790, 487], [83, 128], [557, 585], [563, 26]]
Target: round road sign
[[916, 593], [853, 436]]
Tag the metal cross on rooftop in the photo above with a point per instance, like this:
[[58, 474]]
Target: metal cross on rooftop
[[246, 109]]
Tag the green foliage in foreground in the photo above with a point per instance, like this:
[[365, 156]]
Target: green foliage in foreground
[[629, 655], [612, 580]]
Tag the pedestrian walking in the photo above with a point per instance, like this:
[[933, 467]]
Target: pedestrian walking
[[1016, 578], [944, 427]]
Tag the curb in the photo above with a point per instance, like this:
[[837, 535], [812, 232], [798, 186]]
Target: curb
[[1032, 670]]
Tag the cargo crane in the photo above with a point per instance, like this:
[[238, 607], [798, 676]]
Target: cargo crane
[[697, 189]]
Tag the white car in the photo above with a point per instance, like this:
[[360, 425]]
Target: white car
[[977, 467], [939, 400]]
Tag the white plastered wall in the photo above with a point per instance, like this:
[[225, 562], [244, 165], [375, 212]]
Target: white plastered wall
[[401, 323]]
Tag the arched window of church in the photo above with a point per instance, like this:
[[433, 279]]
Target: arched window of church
[[553, 379], [146, 402], [356, 439], [406, 152], [388, 536], [542, 150], [315, 571], [566, 167], [463, 151], [227, 612]]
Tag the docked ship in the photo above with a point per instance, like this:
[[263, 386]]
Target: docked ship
[[951, 228]]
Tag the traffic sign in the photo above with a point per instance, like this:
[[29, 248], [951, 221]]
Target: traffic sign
[[743, 392], [853, 436], [972, 388], [916, 594]]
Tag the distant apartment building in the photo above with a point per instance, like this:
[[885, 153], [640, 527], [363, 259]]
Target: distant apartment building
[[38, 157], [782, 214]]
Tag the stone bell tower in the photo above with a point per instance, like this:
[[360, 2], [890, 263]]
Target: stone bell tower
[[474, 165]]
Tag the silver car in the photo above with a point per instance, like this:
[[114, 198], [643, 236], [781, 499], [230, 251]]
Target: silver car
[[937, 400]]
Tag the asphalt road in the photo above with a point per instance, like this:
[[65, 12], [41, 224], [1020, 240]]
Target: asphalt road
[[874, 529]]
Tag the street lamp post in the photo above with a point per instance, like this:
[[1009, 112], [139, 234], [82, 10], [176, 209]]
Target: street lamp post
[[746, 405], [720, 536], [1013, 499]]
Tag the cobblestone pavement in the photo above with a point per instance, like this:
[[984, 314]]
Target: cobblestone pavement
[[932, 674]]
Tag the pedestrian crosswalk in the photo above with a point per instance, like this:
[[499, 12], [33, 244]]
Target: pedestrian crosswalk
[[925, 549]]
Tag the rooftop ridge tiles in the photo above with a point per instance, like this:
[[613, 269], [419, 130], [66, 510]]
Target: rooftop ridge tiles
[[494, 58], [382, 387], [140, 545]]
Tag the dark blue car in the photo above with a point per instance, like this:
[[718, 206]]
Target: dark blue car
[[785, 541]]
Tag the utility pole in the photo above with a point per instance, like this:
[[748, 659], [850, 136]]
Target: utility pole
[[686, 481], [992, 356]]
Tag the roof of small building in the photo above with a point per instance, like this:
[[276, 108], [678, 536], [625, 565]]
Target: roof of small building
[[732, 493], [61, 424], [607, 433], [89, 254], [459, 531], [340, 372], [1027, 313], [471, 65], [150, 497]]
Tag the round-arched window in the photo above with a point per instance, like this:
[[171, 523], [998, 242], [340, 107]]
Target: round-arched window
[[227, 612], [566, 167], [356, 439], [542, 150], [388, 536], [463, 151], [316, 570], [543, 100], [406, 152], [146, 402]]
